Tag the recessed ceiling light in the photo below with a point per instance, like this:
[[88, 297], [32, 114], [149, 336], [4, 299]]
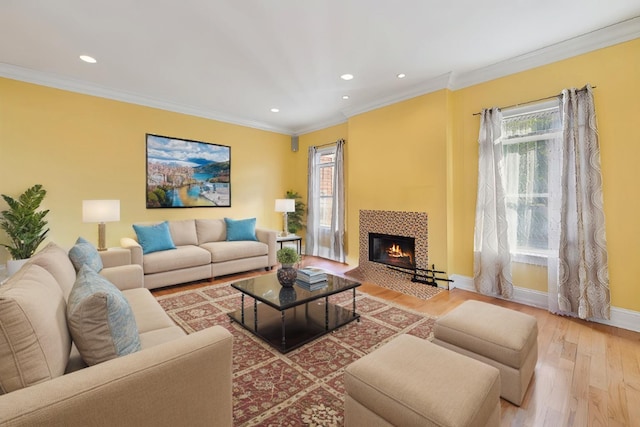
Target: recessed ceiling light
[[401, 76], [89, 59], [275, 110], [345, 96], [346, 76]]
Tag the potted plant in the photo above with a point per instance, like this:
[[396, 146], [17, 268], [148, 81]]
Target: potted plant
[[24, 225], [295, 220], [287, 274]]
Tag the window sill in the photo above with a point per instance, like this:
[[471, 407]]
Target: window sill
[[534, 258]]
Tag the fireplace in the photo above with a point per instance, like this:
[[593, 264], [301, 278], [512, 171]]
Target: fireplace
[[388, 249], [388, 258]]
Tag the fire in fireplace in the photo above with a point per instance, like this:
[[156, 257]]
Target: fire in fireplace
[[397, 251]]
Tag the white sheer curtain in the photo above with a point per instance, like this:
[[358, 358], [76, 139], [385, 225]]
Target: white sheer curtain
[[326, 204], [492, 260], [336, 251], [583, 273], [313, 193]]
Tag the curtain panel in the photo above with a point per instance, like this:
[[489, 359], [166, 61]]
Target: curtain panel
[[492, 258], [583, 273], [338, 209], [311, 245]]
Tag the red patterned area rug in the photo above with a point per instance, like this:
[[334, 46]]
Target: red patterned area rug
[[305, 386]]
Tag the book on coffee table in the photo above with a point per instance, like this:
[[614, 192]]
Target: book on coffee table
[[312, 275], [312, 286]]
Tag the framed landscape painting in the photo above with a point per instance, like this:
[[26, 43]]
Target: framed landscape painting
[[186, 174]]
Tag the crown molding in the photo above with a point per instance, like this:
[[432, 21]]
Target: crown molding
[[598, 39], [52, 80], [431, 85], [338, 119], [601, 38]]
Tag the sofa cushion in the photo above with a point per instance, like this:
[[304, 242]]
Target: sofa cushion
[[227, 251], [154, 324], [56, 261], [84, 253], [148, 313], [241, 229], [100, 319], [154, 237], [34, 339], [181, 257], [183, 232], [211, 230]]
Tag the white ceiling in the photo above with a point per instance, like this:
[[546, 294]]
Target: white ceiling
[[233, 60]]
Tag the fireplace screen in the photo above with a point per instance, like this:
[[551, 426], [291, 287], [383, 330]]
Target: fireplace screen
[[397, 251]]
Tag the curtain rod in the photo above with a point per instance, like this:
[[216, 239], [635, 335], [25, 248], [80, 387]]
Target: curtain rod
[[530, 102], [330, 143]]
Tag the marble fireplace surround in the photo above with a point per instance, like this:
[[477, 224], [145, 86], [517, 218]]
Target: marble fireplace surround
[[399, 223]]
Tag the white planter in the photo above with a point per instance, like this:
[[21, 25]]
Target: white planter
[[14, 265]]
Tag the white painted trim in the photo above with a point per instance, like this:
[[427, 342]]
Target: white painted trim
[[431, 85], [598, 39], [338, 120], [620, 317], [604, 37], [64, 83]]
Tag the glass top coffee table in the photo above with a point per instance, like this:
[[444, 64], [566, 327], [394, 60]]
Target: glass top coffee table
[[287, 318]]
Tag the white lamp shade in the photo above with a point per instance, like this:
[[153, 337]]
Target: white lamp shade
[[100, 210], [285, 205]]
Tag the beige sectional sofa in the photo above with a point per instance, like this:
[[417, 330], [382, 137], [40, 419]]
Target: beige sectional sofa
[[174, 379], [202, 251]]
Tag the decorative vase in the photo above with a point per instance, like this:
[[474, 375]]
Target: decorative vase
[[287, 275]]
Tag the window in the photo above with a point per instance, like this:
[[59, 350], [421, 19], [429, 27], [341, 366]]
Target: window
[[325, 165], [531, 138], [325, 225]]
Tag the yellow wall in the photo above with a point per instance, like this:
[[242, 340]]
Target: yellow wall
[[84, 147], [397, 161], [614, 71], [415, 155], [421, 154]]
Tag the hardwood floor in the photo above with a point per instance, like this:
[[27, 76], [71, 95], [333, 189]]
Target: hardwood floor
[[587, 374]]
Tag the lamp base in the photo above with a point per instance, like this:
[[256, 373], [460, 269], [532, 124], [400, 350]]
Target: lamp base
[[285, 233], [101, 236]]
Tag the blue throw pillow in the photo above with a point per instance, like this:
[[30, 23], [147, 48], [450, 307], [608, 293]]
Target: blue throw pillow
[[241, 229], [154, 238], [100, 319], [84, 253]]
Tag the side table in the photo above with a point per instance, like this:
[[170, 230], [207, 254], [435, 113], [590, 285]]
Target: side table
[[291, 238]]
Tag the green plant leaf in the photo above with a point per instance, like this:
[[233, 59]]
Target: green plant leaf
[[295, 220], [23, 223]]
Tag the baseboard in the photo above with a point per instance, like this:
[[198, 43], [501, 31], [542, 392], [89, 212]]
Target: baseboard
[[620, 317]]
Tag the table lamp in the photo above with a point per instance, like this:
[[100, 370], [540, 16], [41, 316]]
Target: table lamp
[[101, 211], [284, 206]]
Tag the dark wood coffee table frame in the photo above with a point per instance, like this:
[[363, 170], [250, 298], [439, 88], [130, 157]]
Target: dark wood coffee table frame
[[288, 325]]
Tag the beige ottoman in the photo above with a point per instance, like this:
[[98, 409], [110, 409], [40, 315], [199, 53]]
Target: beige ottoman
[[412, 382], [504, 338]]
